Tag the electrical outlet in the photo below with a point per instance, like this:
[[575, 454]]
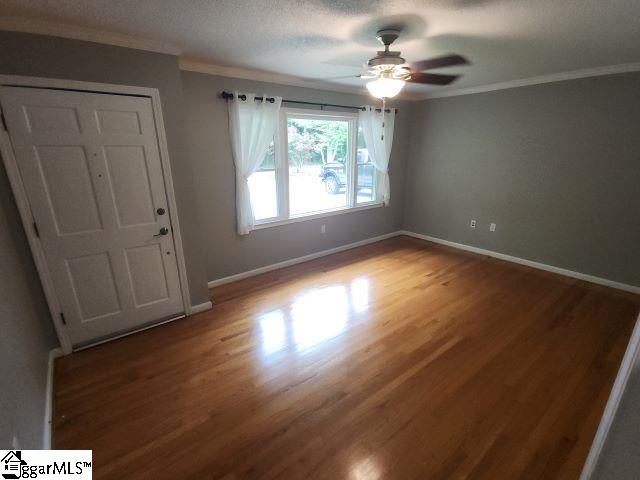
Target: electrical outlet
[[492, 227], [473, 224], [323, 229]]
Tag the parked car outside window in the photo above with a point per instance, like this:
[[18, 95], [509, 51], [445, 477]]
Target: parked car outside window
[[334, 174]]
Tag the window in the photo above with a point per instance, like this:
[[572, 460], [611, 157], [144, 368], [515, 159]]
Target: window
[[319, 164]]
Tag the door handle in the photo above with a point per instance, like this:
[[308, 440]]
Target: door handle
[[163, 231]]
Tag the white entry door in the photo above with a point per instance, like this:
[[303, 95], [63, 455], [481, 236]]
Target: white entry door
[[91, 169]]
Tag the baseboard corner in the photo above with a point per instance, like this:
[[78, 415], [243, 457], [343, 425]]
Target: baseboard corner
[[48, 408], [201, 307], [529, 263]]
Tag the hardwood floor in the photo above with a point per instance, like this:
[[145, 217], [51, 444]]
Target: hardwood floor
[[398, 360]]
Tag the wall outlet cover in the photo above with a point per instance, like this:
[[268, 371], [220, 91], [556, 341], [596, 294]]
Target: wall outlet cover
[[492, 227], [473, 224]]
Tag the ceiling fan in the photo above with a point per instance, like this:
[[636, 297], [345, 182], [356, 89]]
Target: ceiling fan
[[391, 71]]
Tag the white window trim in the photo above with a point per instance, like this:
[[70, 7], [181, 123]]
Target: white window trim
[[315, 216], [281, 168]]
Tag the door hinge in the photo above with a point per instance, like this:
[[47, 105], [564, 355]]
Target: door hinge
[[4, 122], [64, 322], [35, 229]]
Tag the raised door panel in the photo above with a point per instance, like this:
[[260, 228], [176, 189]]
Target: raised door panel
[[129, 180], [118, 122], [94, 287], [69, 188], [51, 119], [147, 274]]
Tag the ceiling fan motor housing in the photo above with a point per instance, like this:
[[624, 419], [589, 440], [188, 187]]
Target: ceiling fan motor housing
[[386, 58]]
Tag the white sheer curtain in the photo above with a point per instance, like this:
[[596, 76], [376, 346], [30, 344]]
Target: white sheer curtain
[[252, 126], [377, 129]]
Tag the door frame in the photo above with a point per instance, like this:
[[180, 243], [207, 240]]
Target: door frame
[[19, 192]]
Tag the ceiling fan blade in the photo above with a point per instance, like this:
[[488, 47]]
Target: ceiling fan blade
[[439, 62], [433, 78]]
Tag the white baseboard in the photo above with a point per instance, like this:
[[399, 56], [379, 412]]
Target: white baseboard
[[201, 307], [528, 263], [48, 406], [461, 246], [294, 261], [628, 361]]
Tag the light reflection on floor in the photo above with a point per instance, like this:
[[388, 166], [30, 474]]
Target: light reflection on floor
[[314, 317], [360, 294], [319, 315], [367, 469], [273, 332]]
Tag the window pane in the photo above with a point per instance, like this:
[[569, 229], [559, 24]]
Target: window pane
[[264, 199], [318, 161], [366, 172]]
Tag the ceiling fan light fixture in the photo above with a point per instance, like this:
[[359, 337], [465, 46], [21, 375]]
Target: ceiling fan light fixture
[[385, 87]]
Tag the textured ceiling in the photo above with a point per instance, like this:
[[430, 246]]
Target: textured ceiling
[[321, 39]]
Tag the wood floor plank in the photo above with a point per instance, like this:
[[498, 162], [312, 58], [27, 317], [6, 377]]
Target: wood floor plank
[[396, 360]]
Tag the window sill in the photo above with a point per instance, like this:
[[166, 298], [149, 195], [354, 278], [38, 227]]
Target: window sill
[[313, 216]]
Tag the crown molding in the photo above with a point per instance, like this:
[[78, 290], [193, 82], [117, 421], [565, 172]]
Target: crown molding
[[190, 65], [42, 27], [525, 82], [262, 76]]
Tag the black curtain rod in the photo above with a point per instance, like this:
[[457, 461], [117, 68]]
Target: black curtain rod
[[229, 96]]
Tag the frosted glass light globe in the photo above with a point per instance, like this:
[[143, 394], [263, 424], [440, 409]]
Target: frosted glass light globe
[[385, 87]]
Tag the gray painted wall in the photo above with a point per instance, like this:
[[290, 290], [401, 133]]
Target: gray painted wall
[[41, 56], [210, 152], [26, 332], [556, 166]]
